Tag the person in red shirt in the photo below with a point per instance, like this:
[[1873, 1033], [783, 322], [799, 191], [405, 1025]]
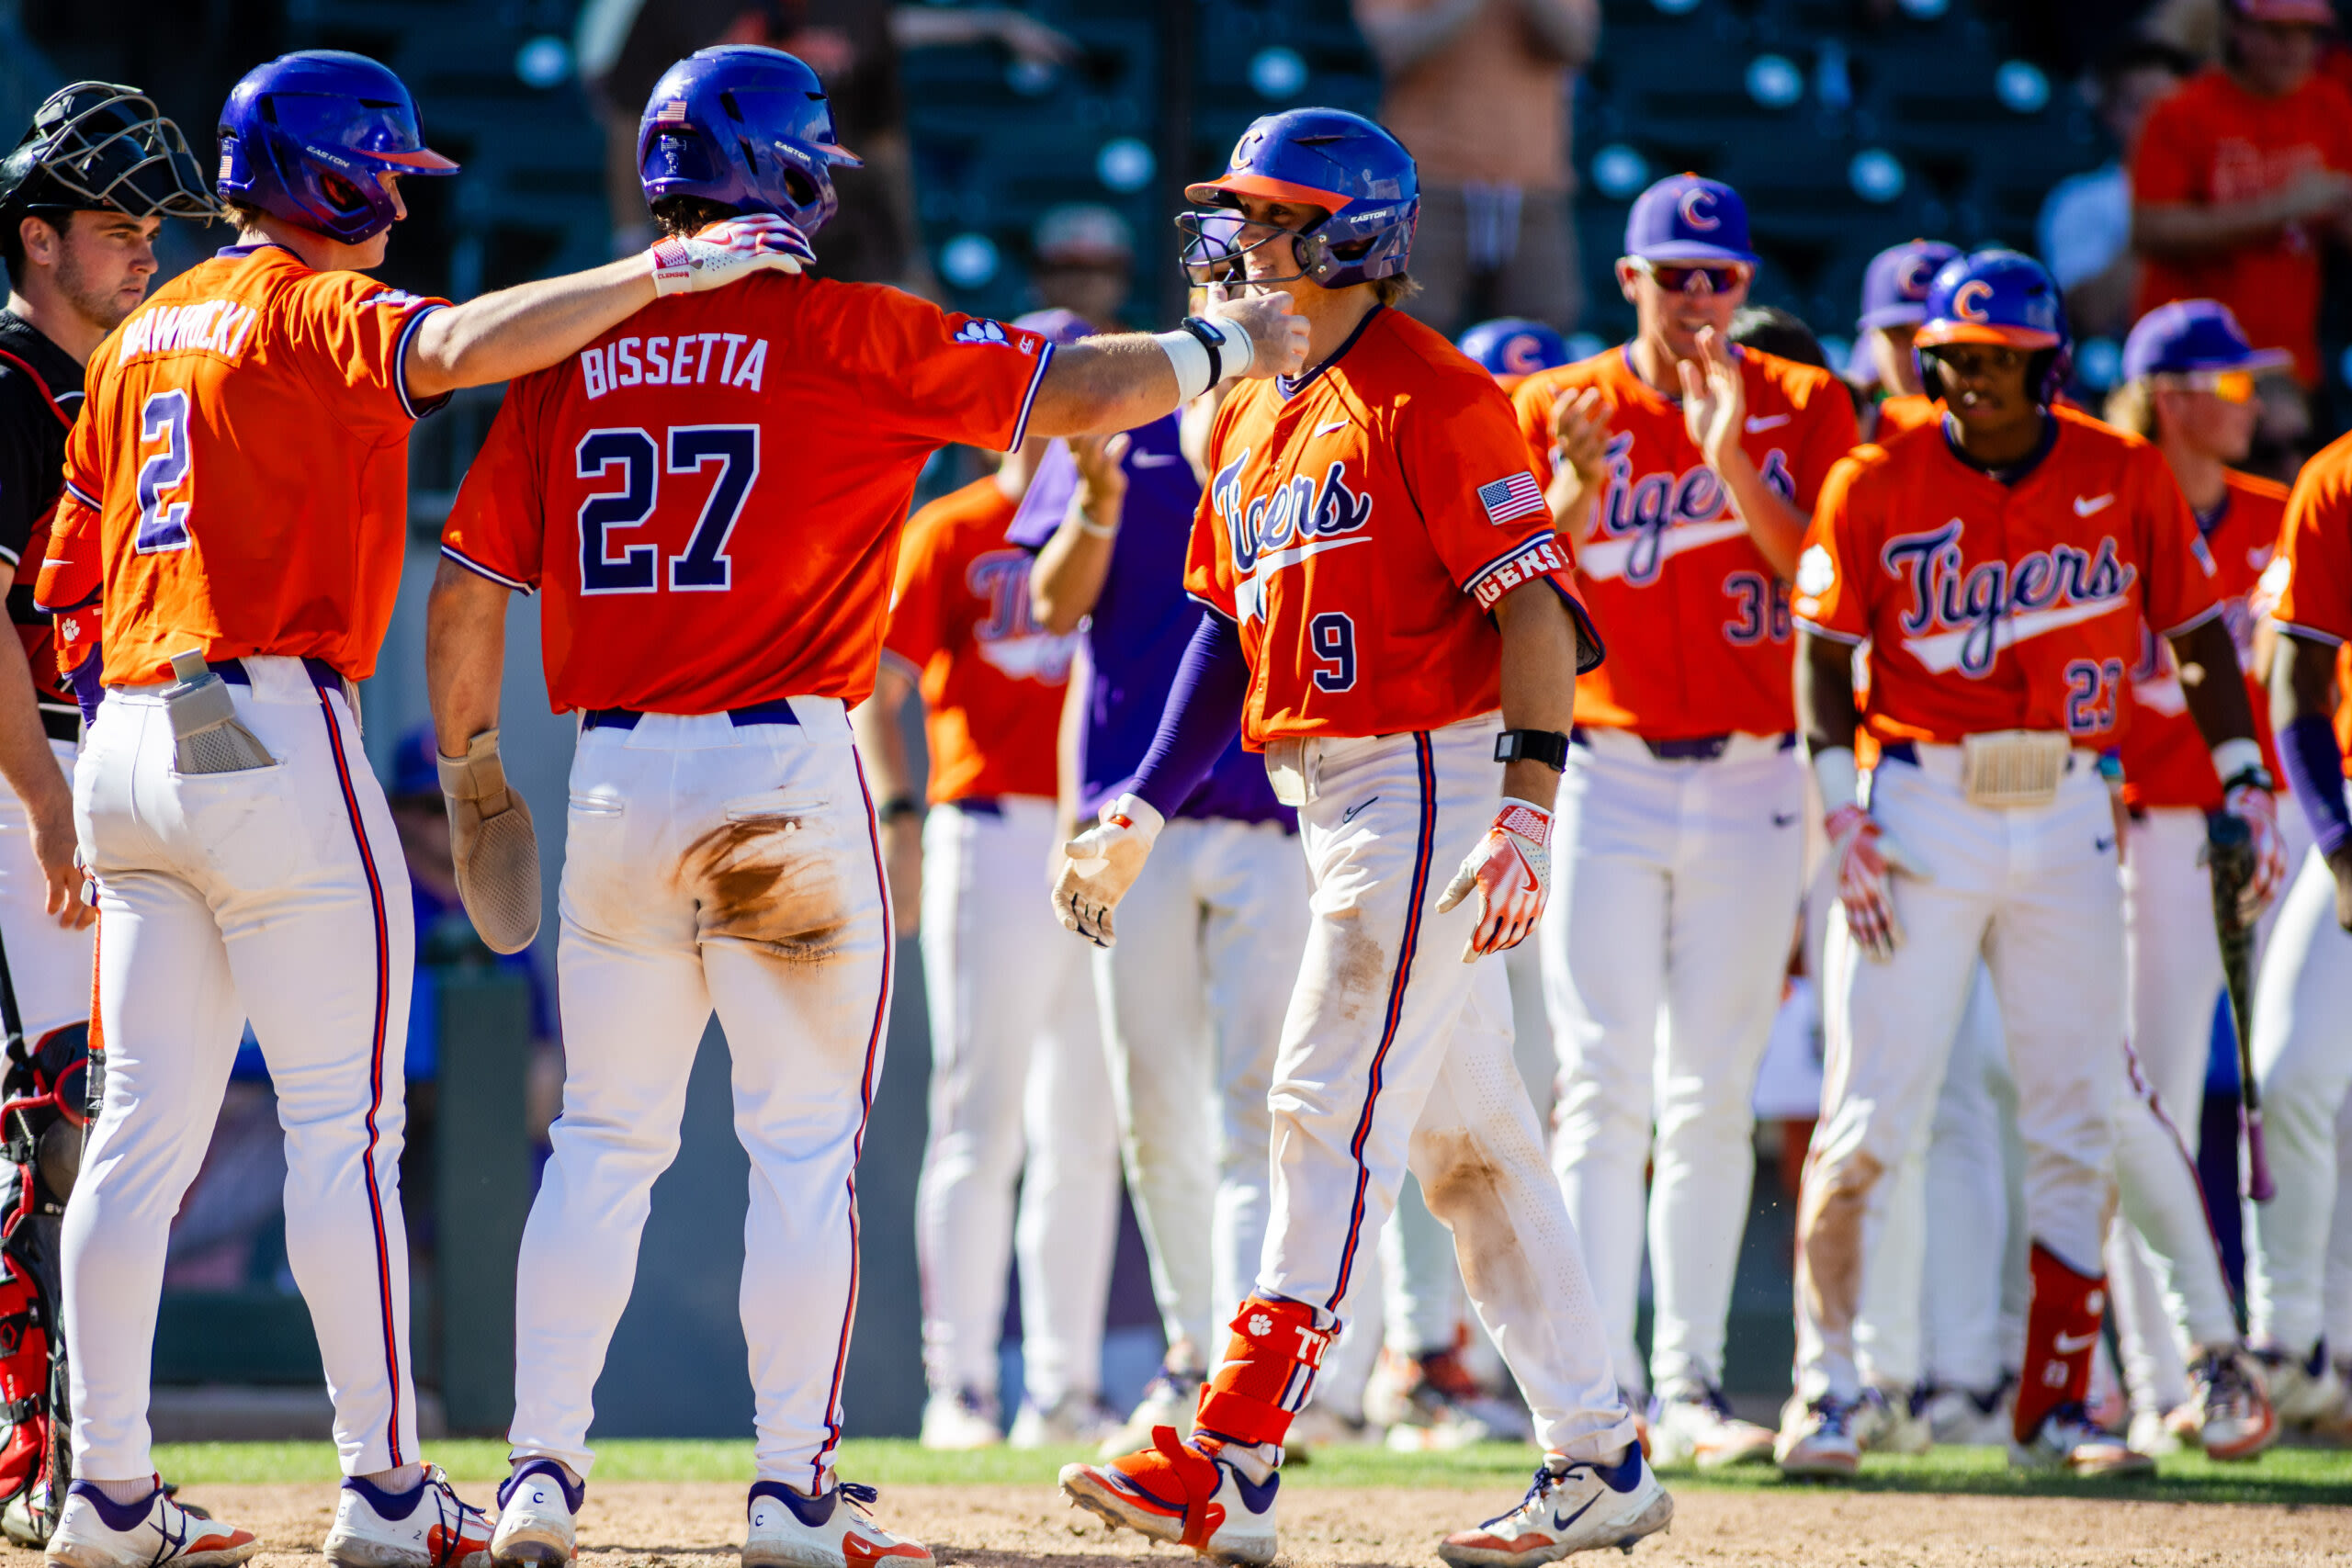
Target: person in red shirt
[[2297, 1251], [1999, 566], [1681, 469], [2189, 388], [2244, 174], [712, 501], [1019, 1088]]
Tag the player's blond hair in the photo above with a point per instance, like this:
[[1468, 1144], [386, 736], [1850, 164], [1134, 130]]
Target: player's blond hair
[[1395, 288], [2132, 407]]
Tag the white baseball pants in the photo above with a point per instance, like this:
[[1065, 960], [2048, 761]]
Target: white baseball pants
[[1664, 950], [2299, 1252], [276, 895], [1397, 1053], [2034, 893], [49, 964], [1191, 1006], [1019, 1095], [711, 866]]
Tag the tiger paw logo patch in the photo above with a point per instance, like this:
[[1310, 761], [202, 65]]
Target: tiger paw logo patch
[[979, 330], [1260, 1325]]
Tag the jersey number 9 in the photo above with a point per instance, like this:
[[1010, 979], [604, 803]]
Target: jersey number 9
[[701, 566], [1333, 635]]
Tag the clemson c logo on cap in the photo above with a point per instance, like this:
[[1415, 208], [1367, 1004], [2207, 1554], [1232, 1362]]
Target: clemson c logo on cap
[[1968, 300], [1916, 275], [1519, 353], [1697, 208]]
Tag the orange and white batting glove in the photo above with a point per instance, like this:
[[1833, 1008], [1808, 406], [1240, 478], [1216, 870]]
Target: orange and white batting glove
[[2252, 804], [1512, 869], [1105, 862], [729, 250], [1867, 861]]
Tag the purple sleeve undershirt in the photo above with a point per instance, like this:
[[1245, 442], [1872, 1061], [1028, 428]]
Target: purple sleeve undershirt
[[2315, 766], [1203, 712]]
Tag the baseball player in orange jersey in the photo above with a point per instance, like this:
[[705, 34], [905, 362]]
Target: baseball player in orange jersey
[[1362, 525], [712, 500], [2189, 387], [1999, 566], [236, 494], [1020, 1093], [1895, 301], [2299, 1252], [1681, 471]]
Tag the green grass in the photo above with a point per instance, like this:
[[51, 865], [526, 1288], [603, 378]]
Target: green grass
[[2304, 1477]]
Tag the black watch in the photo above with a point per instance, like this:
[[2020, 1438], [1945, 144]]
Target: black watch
[[897, 806], [1212, 340], [1548, 746], [2258, 775]]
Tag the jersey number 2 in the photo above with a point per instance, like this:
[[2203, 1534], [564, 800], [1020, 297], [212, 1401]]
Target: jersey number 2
[[703, 567], [162, 525]]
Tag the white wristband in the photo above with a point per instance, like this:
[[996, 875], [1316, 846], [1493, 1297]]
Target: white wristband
[[1189, 358], [2232, 758], [1834, 769], [1140, 813]]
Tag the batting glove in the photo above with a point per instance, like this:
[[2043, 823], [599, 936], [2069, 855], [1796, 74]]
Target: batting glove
[[728, 250], [490, 841], [1867, 862], [1105, 862], [1512, 869], [2256, 806]]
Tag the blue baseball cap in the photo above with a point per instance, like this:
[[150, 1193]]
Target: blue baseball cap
[[1686, 219], [414, 770], [2188, 335], [1894, 287], [1513, 345]]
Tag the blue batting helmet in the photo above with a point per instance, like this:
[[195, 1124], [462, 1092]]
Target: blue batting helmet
[[2003, 299], [1361, 177], [1512, 346], [304, 138], [746, 127]]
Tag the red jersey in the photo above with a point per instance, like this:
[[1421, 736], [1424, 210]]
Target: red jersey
[[1699, 618], [1358, 524], [2165, 760], [238, 481], [992, 678], [2310, 583], [1995, 606], [2212, 141], [712, 492]]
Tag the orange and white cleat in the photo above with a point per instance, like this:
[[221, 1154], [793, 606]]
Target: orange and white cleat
[[94, 1531], [426, 1526], [1575, 1506], [835, 1529], [1217, 1499]]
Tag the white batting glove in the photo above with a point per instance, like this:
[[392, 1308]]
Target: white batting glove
[[730, 249], [1512, 869], [2258, 809], [1867, 862], [1105, 862]]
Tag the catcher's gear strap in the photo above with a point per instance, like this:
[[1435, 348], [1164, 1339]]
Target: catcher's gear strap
[[1269, 1368]]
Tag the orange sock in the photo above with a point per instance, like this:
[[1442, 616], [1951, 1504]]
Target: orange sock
[[2062, 1329], [1268, 1367]]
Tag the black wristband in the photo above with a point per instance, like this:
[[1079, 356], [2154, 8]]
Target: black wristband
[[2258, 775], [897, 806], [1548, 746], [1210, 339]]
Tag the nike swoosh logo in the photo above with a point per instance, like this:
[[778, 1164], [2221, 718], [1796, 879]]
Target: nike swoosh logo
[[1560, 1524], [2102, 845], [1156, 460], [1759, 423], [1782, 818], [1329, 426], [2073, 1344], [1349, 814], [2094, 506]]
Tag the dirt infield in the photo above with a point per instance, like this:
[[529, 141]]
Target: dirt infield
[[643, 1524]]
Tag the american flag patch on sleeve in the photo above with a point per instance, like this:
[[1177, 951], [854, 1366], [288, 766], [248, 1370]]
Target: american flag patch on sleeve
[[1513, 497]]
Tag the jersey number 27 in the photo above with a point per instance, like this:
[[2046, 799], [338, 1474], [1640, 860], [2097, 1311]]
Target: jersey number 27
[[701, 566]]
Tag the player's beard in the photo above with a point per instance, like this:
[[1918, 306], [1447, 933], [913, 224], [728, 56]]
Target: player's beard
[[105, 307]]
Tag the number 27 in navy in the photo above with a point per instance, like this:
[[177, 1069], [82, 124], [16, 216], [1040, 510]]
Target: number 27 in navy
[[635, 458]]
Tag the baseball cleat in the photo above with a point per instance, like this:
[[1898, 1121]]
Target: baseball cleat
[[959, 1419], [1967, 1418], [425, 1526], [538, 1510], [1888, 1421], [1320, 1426], [1192, 1494], [1169, 1400], [2160, 1434], [1074, 1418], [1581, 1507], [788, 1529], [1435, 1404], [2069, 1441], [94, 1531], [2305, 1390], [1817, 1439], [1692, 1424], [2234, 1415]]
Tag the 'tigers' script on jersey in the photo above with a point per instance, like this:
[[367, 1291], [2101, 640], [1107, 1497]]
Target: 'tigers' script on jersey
[[691, 359]]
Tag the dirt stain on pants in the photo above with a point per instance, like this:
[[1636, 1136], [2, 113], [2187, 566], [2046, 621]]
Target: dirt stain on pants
[[756, 884], [1830, 1205]]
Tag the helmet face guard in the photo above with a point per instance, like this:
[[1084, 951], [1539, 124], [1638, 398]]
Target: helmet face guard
[[306, 137], [1357, 176], [1354, 245], [745, 128], [98, 146]]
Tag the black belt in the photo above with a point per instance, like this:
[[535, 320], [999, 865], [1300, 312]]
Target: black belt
[[61, 725], [626, 719], [978, 805], [325, 676], [1695, 749]]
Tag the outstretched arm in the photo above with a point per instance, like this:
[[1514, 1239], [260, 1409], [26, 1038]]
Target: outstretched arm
[[1102, 384]]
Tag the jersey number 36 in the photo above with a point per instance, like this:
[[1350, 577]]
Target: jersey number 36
[[635, 458]]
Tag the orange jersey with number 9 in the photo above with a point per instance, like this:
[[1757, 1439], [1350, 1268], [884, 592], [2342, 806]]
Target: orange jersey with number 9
[[238, 481], [1996, 606], [1359, 525]]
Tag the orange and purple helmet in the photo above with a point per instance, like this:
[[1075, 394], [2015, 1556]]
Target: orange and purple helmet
[[1359, 176], [2003, 298]]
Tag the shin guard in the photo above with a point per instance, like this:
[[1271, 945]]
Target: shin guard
[[1268, 1371], [2062, 1330]]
